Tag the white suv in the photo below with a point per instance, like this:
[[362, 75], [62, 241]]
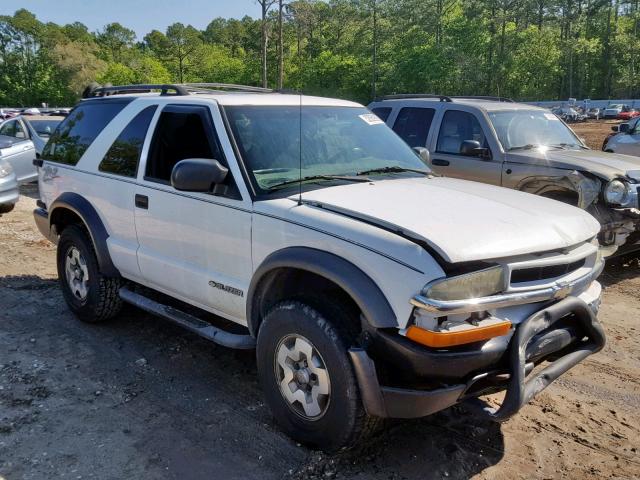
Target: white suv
[[369, 289]]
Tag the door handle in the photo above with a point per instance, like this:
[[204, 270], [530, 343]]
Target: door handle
[[26, 148], [440, 163], [142, 201]]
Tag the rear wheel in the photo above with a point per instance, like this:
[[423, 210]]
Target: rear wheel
[[307, 376], [91, 296]]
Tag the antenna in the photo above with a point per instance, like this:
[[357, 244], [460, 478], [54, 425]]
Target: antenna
[[300, 151]]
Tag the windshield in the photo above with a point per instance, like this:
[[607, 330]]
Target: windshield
[[336, 141], [527, 128], [44, 128]]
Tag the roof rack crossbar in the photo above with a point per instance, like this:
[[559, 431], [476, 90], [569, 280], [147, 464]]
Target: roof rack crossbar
[[179, 89], [483, 97], [224, 86], [408, 96], [144, 88]]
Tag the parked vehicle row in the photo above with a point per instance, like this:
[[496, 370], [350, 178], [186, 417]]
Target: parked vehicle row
[[525, 148], [570, 114], [369, 286]]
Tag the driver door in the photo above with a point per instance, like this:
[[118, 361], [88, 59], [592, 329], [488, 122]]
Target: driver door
[[456, 127], [194, 246]]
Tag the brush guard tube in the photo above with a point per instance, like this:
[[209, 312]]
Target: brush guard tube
[[520, 389]]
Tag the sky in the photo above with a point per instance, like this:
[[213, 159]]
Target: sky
[[142, 16]]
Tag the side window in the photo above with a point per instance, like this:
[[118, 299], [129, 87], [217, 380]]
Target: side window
[[382, 113], [19, 132], [8, 128], [124, 154], [78, 131], [185, 132], [458, 126], [413, 124]]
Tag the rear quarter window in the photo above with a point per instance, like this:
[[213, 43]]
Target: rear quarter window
[[382, 113], [78, 131]]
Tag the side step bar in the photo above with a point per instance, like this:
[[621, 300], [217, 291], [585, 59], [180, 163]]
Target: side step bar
[[191, 323]]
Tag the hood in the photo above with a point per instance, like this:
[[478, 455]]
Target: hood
[[602, 164], [461, 220]]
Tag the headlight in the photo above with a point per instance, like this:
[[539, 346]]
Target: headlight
[[616, 193], [5, 169], [470, 285]]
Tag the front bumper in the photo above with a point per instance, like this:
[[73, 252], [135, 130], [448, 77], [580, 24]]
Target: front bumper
[[9, 193], [564, 333]]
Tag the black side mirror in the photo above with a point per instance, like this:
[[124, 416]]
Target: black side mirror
[[197, 174], [424, 154], [472, 148], [623, 128]]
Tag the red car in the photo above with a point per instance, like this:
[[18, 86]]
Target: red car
[[628, 114]]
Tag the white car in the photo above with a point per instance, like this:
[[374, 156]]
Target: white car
[[612, 111], [369, 287], [627, 140]]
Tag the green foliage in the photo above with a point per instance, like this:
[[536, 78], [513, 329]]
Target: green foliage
[[526, 49]]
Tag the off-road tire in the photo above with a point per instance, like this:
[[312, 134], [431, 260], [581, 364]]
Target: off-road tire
[[345, 422], [102, 301]]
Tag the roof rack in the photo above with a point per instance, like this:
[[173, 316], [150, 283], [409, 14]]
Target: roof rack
[[225, 86], [408, 96], [442, 98], [483, 97], [179, 89]]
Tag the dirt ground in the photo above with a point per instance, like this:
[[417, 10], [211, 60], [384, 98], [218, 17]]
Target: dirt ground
[[139, 398], [594, 131]]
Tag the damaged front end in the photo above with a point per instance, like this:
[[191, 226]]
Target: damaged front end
[[614, 204]]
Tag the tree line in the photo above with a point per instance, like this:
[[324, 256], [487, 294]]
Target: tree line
[[356, 49]]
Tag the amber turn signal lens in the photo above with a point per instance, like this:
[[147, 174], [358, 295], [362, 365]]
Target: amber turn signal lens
[[461, 337]]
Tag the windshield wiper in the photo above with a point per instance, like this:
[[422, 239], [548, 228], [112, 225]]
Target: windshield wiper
[[528, 146], [568, 145], [394, 169], [346, 178], [531, 146]]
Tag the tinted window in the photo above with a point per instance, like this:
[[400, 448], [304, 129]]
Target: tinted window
[[181, 132], [457, 127], [124, 155], [382, 113], [413, 125], [78, 131]]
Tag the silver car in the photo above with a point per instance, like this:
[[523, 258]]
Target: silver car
[[37, 128], [20, 153], [8, 187], [627, 140]]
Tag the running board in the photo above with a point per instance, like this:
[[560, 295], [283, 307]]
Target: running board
[[188, 321]]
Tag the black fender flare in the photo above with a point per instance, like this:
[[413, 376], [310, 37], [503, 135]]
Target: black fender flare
[[358, 285], [98, 233]]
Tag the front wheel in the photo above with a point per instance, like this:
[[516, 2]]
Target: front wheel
[[307, 376], [93, 297]]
